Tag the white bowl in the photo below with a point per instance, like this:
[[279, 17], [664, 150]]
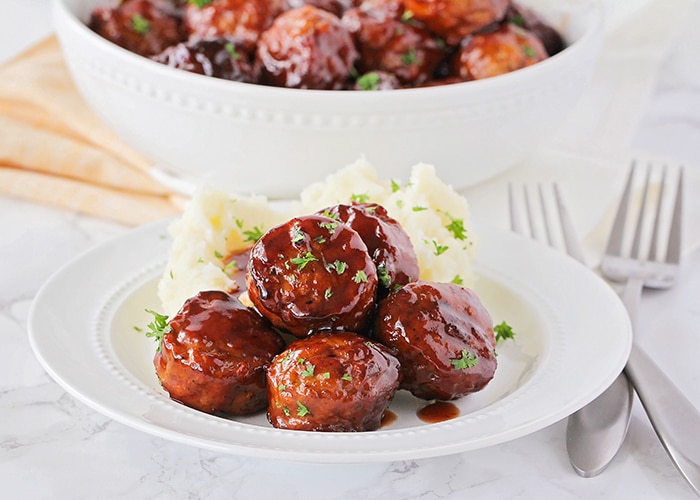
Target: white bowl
[[275, 141]]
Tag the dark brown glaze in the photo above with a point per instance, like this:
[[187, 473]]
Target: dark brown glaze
[[438, 411], [433, 328], [220, 58], [389, 41], [236, 266], [215, 356], [453, 20], [242, 20], [311, 274], [498, 52], [387, 242], [307, 48], [526, 18], [332, 382], [146, 27]]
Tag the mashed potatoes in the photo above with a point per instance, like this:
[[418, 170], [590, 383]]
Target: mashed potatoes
[[216, 225]]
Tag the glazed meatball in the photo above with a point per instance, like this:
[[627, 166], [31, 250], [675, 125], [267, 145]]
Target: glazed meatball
[[387, 242], [389, 41], [243, 20], [220, 58], [311, 274], [453, 20], [145, 27], [306, 48], [331, 382], [215, 355], [525, 18], [443, 337], [498, 52]]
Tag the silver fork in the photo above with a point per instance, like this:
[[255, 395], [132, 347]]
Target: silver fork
[[675, 419], [595, 433]]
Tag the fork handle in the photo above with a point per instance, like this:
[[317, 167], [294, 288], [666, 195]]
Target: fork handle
[[675, 420]]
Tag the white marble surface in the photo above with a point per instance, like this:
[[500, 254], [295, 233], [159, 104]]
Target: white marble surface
[[52, 446]]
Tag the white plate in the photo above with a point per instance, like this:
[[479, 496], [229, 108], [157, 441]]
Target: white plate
[[572, 339]]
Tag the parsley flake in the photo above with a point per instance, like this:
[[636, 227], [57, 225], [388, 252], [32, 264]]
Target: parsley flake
[[360, 277], [346, 376], [369, 81], [466, 360], [329, 226], [394, 186], [457, 280], [200, 3], [339, 266], [529, 51], [503, 331], [438, 249], [328, 293], [158, 327], [140, 24], [302, 410], [409, 57], [303, 260], [359, 198], [231, 50], [383, 276], [308, 370], [456, 227], [253, 235]]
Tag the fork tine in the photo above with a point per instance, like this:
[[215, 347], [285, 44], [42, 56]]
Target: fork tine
[[614, 246], [529, 212], [654, 244], [515, 223], [634, 252], [673, 250], [571, 241], [546, 217]]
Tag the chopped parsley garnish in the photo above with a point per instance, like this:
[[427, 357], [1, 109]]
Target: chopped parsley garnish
[[308, 370], [346, 376], [158, 327], [439, 249], [457, 280], [297, 235], [369, 81], [329, 226], [409, 57], [326, 375], [231, 266], [529, 51], [302, 410], [360, 277], [407, 15], [140, 24], [218, 254], [359, 198], [320, 239], [518, 20], [418, 208], [253, 235], [466, 360], [200, 3], [303, 260], [456, 227], [286, 411], [383, 276], [339, 266], [394, 186], [231, 50], [503, 331], [328, 293], [282, 387]]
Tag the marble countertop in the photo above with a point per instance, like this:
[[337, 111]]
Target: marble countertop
[[53, 446]]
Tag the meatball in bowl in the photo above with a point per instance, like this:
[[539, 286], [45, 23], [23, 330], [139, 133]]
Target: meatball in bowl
[[270, 95]]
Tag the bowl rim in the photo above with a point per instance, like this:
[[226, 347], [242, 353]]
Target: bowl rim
[[61, 12]]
